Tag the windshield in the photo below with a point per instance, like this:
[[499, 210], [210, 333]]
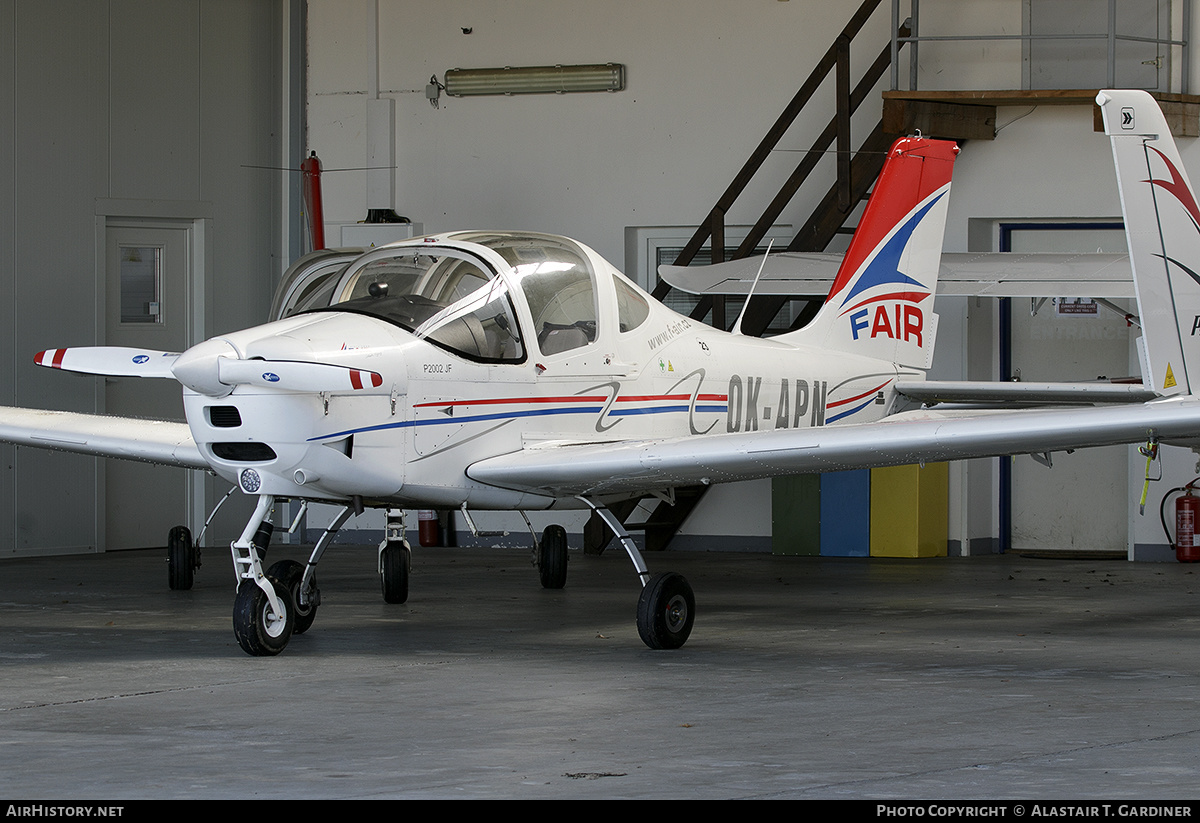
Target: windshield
[[557, 282], [445, 296]]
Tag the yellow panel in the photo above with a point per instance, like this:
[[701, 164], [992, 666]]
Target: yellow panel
[[910, 511]]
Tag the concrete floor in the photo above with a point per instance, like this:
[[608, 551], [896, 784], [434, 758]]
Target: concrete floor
[[980, 678]]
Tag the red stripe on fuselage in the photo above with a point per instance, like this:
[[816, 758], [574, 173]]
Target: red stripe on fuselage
[[641, 398], [856, 397]]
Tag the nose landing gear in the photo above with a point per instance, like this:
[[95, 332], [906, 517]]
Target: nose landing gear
[[271, 607], [263, 613]]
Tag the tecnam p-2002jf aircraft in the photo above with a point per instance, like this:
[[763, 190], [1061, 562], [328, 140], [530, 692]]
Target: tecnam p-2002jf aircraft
[[489, 370]]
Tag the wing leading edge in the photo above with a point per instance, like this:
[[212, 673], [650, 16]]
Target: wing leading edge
[[924, 436], [149, 441]]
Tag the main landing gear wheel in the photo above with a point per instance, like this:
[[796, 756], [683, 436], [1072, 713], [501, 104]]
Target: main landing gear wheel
[[183, 558], [666, 611], [290, 574], [259, 631], [552, 558], [395, 562]]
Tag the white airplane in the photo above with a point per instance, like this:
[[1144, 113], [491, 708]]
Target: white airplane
[[519, 371]]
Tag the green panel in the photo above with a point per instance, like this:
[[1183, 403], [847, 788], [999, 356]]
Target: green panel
[[796, 515]]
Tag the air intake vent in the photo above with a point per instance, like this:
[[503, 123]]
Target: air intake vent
[[244, 452], [224, 417]]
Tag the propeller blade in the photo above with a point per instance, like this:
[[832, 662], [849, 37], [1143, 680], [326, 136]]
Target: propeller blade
[[113, 361], [296, 375]]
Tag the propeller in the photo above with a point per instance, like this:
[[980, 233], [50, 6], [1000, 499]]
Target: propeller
[[212, 368], [295, 375], [113, 361]]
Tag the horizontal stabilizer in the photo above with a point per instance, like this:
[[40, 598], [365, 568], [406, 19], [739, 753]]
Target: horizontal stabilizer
[[988, 274], [112, 361], [295, 375]]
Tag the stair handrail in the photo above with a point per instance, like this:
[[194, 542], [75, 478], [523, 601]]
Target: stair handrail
[[836, 58]]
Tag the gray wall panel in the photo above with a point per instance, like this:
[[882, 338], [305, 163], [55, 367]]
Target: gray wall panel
[[132, 100], [61, 147], [7, 259], [154, 111]]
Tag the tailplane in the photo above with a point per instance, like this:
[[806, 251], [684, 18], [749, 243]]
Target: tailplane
[[1162, 227], [881, 302]]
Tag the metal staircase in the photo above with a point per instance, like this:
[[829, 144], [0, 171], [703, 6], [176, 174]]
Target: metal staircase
[[857, 171]]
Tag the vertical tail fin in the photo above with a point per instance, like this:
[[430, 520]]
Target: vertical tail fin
[[881, 302], [1162, 226]]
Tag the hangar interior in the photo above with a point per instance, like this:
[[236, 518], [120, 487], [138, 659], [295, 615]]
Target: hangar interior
[[173, 126]]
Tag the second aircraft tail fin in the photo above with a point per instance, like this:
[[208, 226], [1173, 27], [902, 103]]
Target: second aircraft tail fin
[[1162, 226]]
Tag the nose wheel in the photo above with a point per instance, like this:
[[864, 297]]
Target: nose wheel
[[305, 596], [263, 628]]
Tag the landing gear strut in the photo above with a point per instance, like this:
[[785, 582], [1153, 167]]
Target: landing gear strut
[[667, 608]]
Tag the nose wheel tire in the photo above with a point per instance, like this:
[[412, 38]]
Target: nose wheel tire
[[552, 558], [290, 574], [666, 611], [395, 562], [183, 558], [259, 631]]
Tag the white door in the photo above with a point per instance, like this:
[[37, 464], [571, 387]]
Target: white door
[[1081, 504], [148, 281]]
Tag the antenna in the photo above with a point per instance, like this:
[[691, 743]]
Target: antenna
[[737, 327]]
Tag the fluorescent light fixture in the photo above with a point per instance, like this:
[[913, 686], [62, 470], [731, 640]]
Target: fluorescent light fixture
[[535, 80]]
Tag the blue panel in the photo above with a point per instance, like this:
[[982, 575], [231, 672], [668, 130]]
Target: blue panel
[[846, 514]]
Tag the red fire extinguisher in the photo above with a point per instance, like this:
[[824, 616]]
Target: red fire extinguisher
[[1187, 514], [313, 206], [428, 528]]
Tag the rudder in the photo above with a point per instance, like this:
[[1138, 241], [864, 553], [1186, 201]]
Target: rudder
[[1162, 228], [881, 302]]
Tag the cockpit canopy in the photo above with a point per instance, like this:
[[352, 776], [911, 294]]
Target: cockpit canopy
[[458, 299]]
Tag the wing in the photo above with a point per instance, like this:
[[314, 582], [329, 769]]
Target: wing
[[150, 441], [925, 436], [992, 274]]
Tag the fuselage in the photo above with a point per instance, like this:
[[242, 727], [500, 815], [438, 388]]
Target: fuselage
[[551, 345]]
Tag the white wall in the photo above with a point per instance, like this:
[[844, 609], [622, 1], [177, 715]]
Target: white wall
[[705, 80]]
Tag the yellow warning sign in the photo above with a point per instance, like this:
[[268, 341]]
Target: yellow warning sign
[[1170, 381]]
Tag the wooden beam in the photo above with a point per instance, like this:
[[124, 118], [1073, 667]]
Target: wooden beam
[[951, 121], [1181, 110]]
